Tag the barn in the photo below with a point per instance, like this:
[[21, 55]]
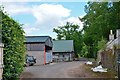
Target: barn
[[63, 50], [39, 47]]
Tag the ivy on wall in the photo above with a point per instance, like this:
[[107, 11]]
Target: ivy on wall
[[14, 48]]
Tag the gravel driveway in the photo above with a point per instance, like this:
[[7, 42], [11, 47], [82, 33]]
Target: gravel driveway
[[70, 70], [53, 70]]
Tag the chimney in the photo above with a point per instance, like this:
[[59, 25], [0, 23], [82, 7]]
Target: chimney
[[111, 32], [111, 35], [118, 33]]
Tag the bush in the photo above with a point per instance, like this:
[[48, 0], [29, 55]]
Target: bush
[[14, 48], [101, 44]]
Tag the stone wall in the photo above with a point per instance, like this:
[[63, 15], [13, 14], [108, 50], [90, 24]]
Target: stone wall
[[109, 59], [109, 55]]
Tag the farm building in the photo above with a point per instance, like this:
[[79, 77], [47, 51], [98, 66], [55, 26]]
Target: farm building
[[63, 50], [40, 47]]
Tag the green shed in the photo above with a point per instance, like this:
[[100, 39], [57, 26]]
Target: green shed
[[63, 50]]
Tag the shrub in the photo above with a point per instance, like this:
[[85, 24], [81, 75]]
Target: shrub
[[14, 48]]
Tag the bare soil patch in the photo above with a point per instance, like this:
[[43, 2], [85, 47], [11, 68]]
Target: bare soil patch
[[84, 71]]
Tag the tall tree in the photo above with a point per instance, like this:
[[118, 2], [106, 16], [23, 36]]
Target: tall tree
[[70, 32], [100, 18]]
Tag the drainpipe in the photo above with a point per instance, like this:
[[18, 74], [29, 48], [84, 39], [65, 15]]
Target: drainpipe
[[44, 55]]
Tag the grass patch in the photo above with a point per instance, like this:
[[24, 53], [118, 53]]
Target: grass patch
[[109, 74]]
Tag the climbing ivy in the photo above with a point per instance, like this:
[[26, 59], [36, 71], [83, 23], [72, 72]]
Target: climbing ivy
[[14, 48]]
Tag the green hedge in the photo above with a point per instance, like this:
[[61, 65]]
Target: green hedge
[[14, 48]]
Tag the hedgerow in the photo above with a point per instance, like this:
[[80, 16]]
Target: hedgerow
[[14, 48]]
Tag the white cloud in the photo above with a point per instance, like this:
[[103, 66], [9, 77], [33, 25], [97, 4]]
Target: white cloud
[[16, 8], [74, 20], [29, 29], [47, 17], [51, 9]]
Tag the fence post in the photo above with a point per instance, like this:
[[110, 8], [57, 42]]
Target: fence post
[[118, 61], [1, 60], [118, 70]]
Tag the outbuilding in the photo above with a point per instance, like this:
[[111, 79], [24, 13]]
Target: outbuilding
[[63, 50], [40, 47]]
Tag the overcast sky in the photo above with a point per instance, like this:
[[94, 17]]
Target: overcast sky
[[39, 18]]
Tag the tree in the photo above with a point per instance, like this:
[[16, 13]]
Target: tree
[[14, 48], [84, 52], [70, 32], [101, 44], [100, 18]]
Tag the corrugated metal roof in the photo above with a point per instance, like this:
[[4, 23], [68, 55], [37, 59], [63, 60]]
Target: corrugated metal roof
[[63, 46], [36, 38]]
